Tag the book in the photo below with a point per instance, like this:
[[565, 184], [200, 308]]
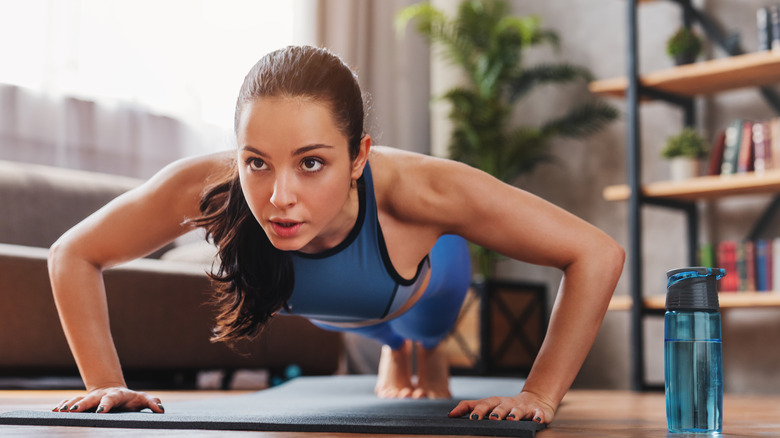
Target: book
[[716, 154], [763, 29], [775, 263], [731, 148], [774, 141], [707, 255], [727, 259], [746, 156], [774, 26], [763, 265], [762, 147]]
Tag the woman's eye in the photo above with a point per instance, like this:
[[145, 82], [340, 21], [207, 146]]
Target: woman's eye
[[311, 164], [256, 164]]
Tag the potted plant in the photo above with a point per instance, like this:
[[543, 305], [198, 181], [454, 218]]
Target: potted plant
[[487, 43], [685, 152], [684, 46]]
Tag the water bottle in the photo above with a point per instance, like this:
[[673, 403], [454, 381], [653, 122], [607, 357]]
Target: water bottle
[[693, 354]]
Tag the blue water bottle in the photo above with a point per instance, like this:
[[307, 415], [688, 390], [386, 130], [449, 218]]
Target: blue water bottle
[[693, 354]]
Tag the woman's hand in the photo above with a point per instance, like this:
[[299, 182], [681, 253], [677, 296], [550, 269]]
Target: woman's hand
[[115, 398], [524, 406]]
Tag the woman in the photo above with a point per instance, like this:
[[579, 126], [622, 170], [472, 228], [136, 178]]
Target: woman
[[310, 219]]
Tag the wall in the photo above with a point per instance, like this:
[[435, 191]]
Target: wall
[[593, 34]]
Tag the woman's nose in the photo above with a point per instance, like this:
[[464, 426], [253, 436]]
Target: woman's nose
[[284, 192]]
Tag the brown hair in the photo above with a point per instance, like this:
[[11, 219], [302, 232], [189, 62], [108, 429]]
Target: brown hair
[[254, 280]]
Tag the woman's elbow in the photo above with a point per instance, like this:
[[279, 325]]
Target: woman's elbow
[[62, 254], [57, 256], [612, 257]]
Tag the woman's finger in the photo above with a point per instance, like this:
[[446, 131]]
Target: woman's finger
[[74, 404], [60, 405], [87, 403], [462, 408], [108, 402], [484, 407], [156, 405], [501, 411]]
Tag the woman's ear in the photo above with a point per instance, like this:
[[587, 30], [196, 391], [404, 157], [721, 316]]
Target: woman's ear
[[362, 157]]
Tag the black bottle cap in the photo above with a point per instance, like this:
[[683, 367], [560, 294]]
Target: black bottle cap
[[693, 289]]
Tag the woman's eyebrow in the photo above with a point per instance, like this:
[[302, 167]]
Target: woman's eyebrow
[[254, 150], [300, 151], [309, 148]]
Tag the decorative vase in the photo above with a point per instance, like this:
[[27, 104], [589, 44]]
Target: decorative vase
[[682, 168], [684, 58]]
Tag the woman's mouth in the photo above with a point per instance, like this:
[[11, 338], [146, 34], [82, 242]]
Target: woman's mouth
[[286, 228]]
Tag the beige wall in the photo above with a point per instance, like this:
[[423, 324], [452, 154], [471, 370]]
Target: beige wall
[[593, 34]]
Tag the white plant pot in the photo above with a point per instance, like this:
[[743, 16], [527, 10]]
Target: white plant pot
[[682, 168]]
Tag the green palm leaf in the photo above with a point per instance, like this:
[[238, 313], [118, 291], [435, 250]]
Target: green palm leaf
[[487, 42], [543, 74], [583, 120]]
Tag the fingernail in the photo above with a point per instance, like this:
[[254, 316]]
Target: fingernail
[[538, 419], [75, 407], [159, 405], [64, 408], [101, 409], [493, 415], [511, 416], [475, 416]]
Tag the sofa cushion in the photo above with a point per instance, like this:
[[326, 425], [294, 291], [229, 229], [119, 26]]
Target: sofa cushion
[[40, 203], [201, 253]]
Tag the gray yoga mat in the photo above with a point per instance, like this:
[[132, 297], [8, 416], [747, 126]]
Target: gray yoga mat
[[311, 404]]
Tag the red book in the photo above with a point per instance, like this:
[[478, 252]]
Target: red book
[[727, 259], [716, 154], [745, 159], [749, 249], [774, 140]]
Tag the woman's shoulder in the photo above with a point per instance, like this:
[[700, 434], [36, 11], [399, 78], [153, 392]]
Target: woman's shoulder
[[394, 165], [180, 184], [396, 168], [410, 185], [195, 171]]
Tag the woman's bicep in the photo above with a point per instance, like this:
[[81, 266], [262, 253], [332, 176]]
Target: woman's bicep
[[511, 221]]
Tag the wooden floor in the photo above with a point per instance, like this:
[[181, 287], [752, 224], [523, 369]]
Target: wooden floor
[[582, 413]]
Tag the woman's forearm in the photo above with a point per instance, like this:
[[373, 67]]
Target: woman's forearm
[[79, 294], [576, 317]]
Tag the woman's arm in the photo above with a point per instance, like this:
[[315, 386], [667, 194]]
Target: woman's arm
[[131, 226], [458, 199]]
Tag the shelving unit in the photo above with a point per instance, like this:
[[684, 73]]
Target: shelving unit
[[705, 77], [679, 86], [702, 188]]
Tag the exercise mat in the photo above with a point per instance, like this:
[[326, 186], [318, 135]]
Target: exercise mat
[[311, 404]]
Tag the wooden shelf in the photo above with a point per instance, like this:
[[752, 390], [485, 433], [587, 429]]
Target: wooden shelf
[[728, 300], [749, 70], [705, 187]]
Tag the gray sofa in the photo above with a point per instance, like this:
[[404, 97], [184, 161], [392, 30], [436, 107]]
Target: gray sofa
[[159, 317]]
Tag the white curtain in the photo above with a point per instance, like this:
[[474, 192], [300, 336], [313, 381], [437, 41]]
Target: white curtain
[[393, 70], [124, 139], [127, 86]]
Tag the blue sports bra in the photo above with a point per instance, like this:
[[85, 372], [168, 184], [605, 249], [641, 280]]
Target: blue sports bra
[[355, 280]]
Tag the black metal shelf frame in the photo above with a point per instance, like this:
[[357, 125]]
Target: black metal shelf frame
[[731, 45]]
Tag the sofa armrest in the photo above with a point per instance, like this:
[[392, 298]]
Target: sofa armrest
[[160, 321]]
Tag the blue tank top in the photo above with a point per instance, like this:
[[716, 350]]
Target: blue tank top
[[355, 280]]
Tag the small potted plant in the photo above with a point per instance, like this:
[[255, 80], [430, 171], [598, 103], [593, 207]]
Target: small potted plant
[[685, 152], [684, 46]]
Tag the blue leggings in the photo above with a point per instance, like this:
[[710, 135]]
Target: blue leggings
[[434, 314]]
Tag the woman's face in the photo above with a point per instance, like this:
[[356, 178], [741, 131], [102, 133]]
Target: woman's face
[[296, 172]]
